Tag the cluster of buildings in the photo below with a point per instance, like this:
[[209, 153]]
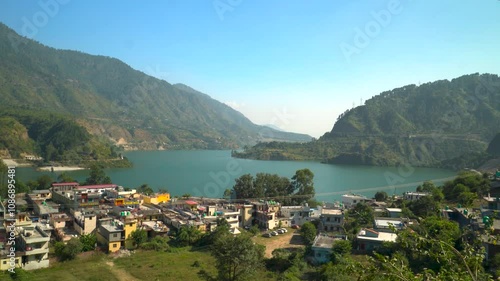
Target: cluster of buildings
[[111, 212]]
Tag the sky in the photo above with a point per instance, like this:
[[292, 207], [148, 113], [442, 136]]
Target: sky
[[294, 64]]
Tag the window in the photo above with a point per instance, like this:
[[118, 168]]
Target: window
[[130, 224], [115, 235], [90, 218], [4, 262], [115, 245]]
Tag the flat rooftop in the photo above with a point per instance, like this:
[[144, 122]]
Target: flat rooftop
[[331, 212], [324, 241], [394, 210], [386, 222], [382, 236]]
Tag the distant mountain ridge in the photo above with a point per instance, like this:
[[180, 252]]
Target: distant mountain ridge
[[126, 106], [438, 124]]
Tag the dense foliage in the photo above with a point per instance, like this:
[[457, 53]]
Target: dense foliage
[[53, 136], [290, 192]]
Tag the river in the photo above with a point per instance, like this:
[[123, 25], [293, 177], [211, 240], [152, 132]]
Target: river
[[209, 172]]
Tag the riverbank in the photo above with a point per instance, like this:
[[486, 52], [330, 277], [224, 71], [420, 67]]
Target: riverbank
[[15, 163], [60, 168]]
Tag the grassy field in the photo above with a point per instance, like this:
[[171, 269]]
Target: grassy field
[[84, 268], [142, 265]]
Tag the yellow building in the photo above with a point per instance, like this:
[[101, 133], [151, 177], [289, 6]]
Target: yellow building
[[129, 225], [114, 234], [157, 198], [5, 262]]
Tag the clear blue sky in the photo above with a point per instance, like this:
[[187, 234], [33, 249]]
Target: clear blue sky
[[278, 62]]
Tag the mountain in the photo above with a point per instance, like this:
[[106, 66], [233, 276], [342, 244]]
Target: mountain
[[439, 124], [113, 101]]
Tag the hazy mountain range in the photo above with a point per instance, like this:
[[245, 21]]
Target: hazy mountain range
[[117, 103]]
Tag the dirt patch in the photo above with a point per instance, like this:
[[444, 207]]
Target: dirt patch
[[120, 274], [290, 239]]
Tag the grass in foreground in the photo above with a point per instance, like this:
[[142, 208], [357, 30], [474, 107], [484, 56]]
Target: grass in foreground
[[91, 267]]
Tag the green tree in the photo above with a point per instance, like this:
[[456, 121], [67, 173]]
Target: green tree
[[65, 177], [308, 232], [97, 175], [188, 235], [303, 183], [237, 258], [68, 251], [441, 229], [424, 207], [243, 187], [145, 189], [381, 196], [88, 242], [138, 237], [227, 193], [341, 248], [44, 182]]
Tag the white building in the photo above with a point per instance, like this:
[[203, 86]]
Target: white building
[[350, 200], [411, 196]]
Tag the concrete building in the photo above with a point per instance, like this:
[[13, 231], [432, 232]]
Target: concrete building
[[370, 240], [349, 200], [33, 245], [64, 186], [111, 235], [331, 220], [85, 222], [385, 224], [394, 212], [157, 198], [412, 196], [322, 247]]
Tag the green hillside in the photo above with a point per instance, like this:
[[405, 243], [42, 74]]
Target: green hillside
[[428, 125], [118, 103]]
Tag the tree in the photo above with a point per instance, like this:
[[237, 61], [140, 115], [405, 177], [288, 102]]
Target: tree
[[303, 183], [308, 232], [138, 237], [466, 198], [65, 177], [237, 258], [441, 229], [68, 251], [188, 235], [44, 182], [341, 247], [88, 242], [186, 195], [381, 196], [243, 187], [424, 207], [145, 189], [163, 190], [97, 175], [227, 193]]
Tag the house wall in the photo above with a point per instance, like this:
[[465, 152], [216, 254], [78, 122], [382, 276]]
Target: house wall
[[160, 198], [114, 246], [5, 263], [321, 255]]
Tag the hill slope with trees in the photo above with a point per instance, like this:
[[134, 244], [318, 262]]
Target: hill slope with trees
[[439, 124], [116, 102]]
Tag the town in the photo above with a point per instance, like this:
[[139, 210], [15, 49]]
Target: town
[[112, 214]]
